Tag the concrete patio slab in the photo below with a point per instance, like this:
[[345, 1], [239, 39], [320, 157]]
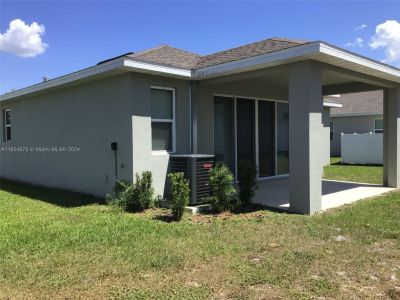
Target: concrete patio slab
[[275, 192]]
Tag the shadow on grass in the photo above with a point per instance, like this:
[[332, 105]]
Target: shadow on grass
[[251, 208], [338, 162], [354, 165], [57, 197], [164, 218], [247, 209]]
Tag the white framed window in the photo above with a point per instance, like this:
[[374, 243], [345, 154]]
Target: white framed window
[[379, 126], [331, 130], [163, 119], [6, 125]]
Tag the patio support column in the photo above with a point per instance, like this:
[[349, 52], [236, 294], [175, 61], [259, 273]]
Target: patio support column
[[391, 137], [305, 137]]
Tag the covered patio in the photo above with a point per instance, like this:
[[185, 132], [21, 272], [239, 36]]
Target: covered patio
[[300, 79], [274, 193]]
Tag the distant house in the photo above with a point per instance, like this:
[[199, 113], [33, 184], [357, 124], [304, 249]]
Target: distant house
[[361, 113]]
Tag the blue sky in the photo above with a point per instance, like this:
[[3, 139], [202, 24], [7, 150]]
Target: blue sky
[[81, 33]]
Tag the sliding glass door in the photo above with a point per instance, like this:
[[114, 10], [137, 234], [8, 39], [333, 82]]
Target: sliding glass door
[[245, 129], [224, 136], [266, 138], [282, 142], [242, 126]]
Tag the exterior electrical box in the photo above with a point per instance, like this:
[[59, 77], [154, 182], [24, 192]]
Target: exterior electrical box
[[196, 169]]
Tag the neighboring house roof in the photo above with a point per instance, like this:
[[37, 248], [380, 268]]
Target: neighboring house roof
[[172, 62], [364, 103]]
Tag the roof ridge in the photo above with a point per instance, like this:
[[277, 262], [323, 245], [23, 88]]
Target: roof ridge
[[289, 43], [280, 39], [160, 47], [260, 41], [148, 50]]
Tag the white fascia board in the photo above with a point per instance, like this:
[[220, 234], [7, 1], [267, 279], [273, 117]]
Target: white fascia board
[[88, 72], [359, 60], [308, 51], [258, 62], [333, 105], [356, 114], [122, 64], [144, 67]]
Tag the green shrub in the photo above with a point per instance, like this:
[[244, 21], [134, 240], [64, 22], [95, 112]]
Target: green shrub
[[179, 194], [158, 200], [137, 196], [222, 191], [247, 177], [114, 202], [141, 196]]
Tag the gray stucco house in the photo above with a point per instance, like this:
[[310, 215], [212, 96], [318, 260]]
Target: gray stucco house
[[261, 102], [360, 113]]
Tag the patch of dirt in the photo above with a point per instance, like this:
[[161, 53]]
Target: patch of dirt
[[225, 216]]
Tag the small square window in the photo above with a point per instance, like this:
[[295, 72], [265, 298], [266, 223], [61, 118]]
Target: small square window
[[379, 126], [6, 125], [7, 114]]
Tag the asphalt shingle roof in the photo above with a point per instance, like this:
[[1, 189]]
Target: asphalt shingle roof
[[359, 103], [168, 56], [249, 50], [174, 57]]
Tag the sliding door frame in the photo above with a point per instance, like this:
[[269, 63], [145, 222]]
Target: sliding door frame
[[256, 131]]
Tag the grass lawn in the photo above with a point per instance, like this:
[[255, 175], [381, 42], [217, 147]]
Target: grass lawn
[[49, 250], [356, 173]]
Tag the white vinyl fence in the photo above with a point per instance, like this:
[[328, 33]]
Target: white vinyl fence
[[362, 148]]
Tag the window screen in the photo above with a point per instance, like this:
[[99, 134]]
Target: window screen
[[162, 118], [379, 126], [7, 125]]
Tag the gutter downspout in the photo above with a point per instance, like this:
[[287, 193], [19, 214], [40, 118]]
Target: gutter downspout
[[193, 110], [190, 117]]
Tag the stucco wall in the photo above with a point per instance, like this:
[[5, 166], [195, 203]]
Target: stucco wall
[[347, 125], [93, 114], [89, 116], [144, 157]]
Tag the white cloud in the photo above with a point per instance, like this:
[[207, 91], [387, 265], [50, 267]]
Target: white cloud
[[387, 36], [22, 39], [360, 27], [357, 43]]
